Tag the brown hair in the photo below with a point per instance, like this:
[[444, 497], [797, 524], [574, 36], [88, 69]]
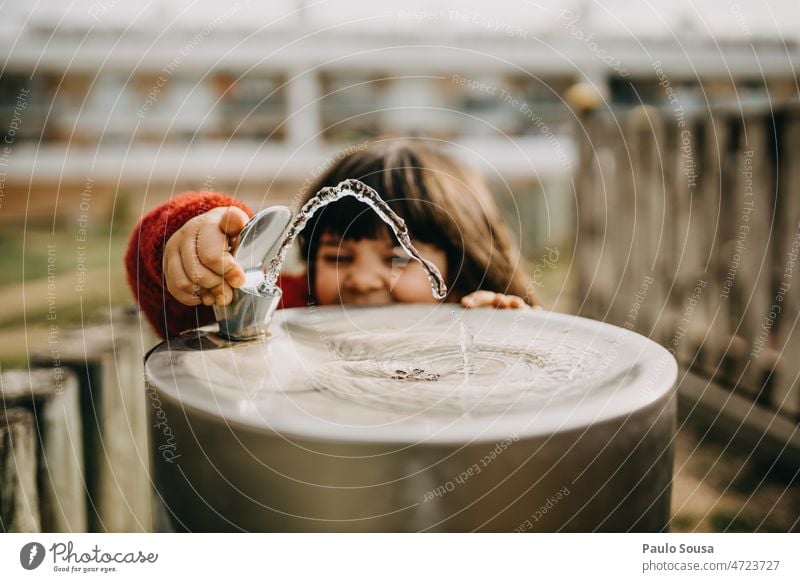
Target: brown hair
[[442, 202]]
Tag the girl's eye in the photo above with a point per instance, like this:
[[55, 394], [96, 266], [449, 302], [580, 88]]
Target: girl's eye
[[400, 259], [337, 259]]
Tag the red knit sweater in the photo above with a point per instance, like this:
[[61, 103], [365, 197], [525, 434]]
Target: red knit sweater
[[143, 261]]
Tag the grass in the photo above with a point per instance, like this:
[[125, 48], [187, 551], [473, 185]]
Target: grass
[[39, 284], [720, 489], [731, 521]]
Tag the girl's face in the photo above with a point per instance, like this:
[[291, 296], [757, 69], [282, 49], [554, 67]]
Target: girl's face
[[372, 272]]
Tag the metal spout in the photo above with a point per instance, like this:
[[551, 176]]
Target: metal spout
[[249, 314]]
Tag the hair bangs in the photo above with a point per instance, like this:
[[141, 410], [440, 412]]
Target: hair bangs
[[352, 219]]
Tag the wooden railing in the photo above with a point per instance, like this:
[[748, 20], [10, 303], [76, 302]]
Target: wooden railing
[[73, 433], [688, 231]]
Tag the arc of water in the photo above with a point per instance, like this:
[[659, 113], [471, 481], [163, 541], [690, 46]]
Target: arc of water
[[371, 198]]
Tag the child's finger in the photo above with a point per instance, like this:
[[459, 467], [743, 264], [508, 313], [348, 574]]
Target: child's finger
[[212, 251], [512, 302], [478, 299], [223, 293], [198, 273], [232, 272], [235, 276], [233, 220], [207, 297], [517, 302], [178, 283], [491, 299], [469, 300]]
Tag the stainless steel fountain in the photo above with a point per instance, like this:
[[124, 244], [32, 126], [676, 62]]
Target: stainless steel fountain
[[301, 431]]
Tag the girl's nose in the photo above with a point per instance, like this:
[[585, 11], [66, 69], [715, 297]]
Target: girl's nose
[[364, 279]]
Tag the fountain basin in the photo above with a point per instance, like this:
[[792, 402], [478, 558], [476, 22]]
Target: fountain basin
[[559, 424]]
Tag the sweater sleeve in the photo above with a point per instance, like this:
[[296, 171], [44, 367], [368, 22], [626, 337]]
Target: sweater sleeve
[[143, 262]]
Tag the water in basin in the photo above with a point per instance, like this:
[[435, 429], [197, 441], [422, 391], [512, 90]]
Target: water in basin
[[412, 371]]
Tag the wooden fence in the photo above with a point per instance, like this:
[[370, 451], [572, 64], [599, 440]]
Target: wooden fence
[[689, 233], [73, 441]]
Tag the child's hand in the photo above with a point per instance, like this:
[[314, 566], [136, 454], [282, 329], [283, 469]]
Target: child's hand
[[491, 299], [198, 267]]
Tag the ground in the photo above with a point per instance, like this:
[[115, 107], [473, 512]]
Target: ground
[[716, 489]]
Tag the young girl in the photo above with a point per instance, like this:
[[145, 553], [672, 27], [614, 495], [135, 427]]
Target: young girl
[[179, 263]]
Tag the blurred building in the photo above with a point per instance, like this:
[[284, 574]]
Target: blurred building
[[254, 98]]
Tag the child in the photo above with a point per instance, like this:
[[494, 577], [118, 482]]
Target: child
[[179, 265]]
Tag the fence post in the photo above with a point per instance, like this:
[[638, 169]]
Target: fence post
[[753, 196], [19, 500], [588, 223], [785, 393], [712, 182], [51, 396]]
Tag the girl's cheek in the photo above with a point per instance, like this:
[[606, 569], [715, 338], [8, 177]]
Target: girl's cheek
[[326, 285], [412, 286]]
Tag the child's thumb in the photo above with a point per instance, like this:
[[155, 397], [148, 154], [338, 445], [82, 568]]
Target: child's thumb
[[233, 220]]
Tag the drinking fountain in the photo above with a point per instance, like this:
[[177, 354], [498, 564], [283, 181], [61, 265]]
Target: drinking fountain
[[344, 418]]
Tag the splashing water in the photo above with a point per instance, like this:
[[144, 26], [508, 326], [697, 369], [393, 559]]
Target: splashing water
[[466, 340], [371, 198]]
